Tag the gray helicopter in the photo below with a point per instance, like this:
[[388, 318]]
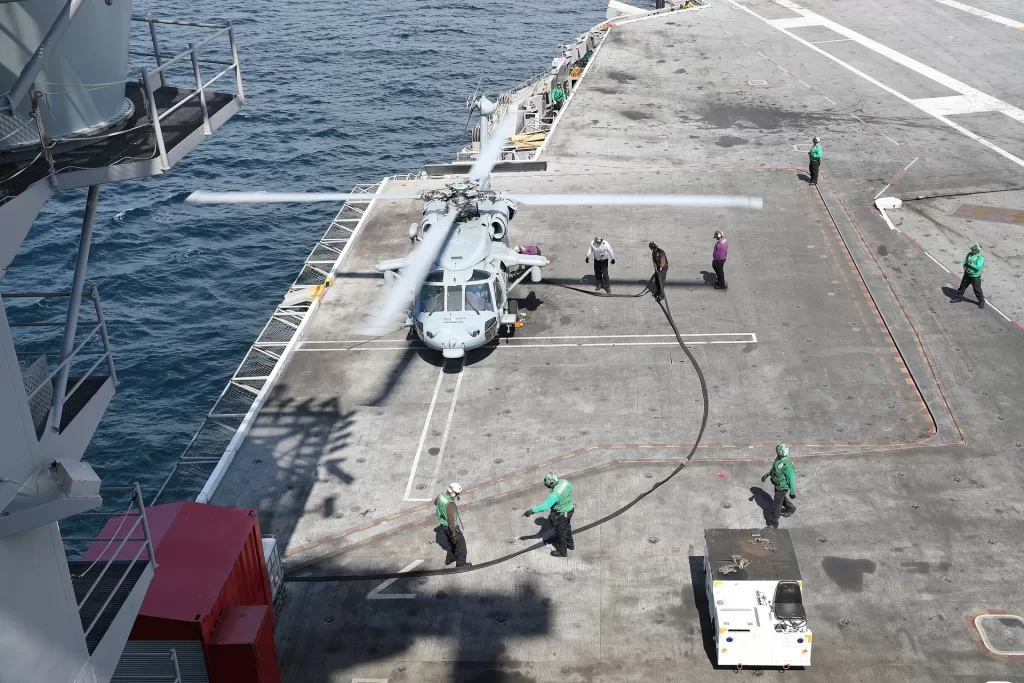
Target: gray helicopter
[[454, 287], [464, 299]]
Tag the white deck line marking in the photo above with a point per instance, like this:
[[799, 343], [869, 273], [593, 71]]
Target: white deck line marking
[[898, 176], [952, 105], [795, 22], [888, 222], [998, 311], [906, 61], [837, 40], [937, 263], [447, 426], [948, 81], [876, 130], [426, 424], [982, 13], [376, 594]]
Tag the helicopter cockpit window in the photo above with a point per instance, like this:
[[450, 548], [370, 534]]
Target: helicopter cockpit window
[[478, 297], [454, 298], [432, 298]]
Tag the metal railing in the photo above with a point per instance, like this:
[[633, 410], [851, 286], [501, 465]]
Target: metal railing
[[136, 510], [94, 343], [505, 99], [132, 658], [153, 79]]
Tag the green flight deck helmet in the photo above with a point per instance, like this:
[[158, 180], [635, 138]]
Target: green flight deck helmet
[[781, 451], [550, 479]]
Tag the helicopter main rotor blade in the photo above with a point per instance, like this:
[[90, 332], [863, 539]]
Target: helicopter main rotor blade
[[203, 197], [684, 200], [491, 152], [411, 277]]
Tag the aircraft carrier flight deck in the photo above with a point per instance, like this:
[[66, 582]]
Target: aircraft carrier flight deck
[[836, 336]]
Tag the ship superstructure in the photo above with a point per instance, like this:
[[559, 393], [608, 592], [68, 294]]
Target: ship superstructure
[[89, 95]]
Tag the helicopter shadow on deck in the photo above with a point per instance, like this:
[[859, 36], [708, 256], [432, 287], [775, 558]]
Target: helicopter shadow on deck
[[390, 381]]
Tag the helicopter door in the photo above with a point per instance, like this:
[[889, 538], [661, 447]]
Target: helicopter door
[[499, 293]]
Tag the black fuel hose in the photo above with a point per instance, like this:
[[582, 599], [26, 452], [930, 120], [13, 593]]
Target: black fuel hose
[[663, 303]]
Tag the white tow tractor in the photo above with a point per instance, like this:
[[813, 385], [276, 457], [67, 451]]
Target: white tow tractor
[[755, 596]]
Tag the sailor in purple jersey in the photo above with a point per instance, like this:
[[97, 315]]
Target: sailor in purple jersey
[[718, 257]]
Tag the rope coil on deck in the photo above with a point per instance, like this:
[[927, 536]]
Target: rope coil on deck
[[663, 303]]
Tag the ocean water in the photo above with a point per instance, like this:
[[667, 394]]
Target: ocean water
[[337, 93]]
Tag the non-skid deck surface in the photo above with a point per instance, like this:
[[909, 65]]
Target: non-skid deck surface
[[834, 337]]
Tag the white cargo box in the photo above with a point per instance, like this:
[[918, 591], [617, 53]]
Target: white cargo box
[[755, 596]]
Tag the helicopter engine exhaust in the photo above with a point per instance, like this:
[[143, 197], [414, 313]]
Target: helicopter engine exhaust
[[499, 225]]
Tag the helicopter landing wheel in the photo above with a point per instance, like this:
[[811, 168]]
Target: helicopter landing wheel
[[510, 330]]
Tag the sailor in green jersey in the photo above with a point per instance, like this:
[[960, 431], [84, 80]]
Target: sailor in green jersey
[[815, 157], [559, 502], [973, 264], [447, 510], [557, 97], [784, 480]]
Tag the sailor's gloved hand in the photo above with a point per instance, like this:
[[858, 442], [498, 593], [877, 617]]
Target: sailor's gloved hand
[[613, 262], [528, 513], [764, 478], [792, 495], [588, 259]]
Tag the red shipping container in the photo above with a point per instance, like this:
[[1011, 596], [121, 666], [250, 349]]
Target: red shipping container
[[209, 561], [243, 649]]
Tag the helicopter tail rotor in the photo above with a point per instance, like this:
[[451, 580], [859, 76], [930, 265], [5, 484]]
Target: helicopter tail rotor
[[473, 103], [490, 153]]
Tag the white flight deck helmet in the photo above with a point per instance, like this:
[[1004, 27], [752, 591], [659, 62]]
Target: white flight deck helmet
[[719, 235], [454, 488], [816, 140]]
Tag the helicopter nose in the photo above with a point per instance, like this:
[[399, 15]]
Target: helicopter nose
[[454, 349]]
